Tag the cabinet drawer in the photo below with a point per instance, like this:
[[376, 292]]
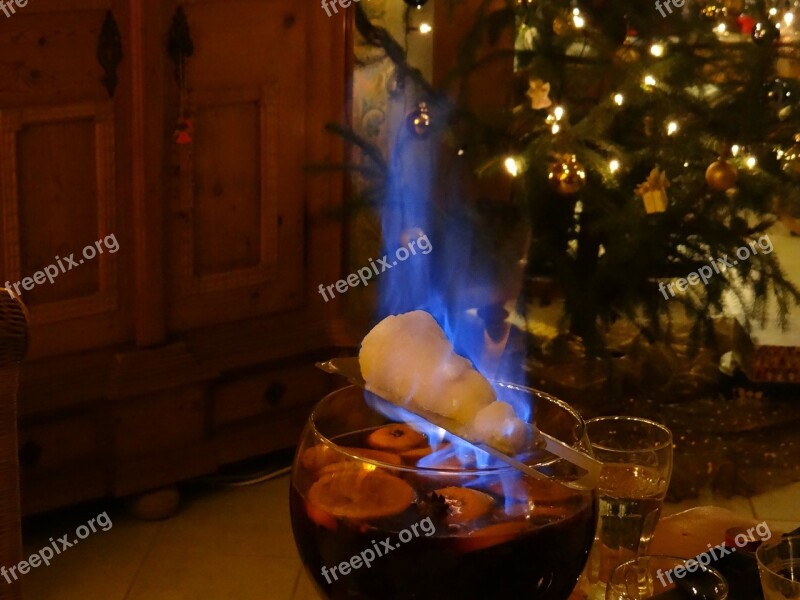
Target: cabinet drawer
[[69, 440], [62, 462], [270, 392]]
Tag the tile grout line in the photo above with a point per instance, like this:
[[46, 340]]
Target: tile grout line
[[146, 555], [752, 507], [296, 587]]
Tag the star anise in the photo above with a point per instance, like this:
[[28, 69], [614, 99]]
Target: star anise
[[433, 505]]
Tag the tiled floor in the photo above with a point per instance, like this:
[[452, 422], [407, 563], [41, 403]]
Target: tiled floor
[[229, 544]]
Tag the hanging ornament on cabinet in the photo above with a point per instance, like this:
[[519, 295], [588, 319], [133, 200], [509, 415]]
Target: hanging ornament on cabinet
[[721, 175], [566, 175], [180, 48], [654, 192], [419, 121]]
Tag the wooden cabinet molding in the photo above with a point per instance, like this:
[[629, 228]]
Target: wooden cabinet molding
[[100, 118]]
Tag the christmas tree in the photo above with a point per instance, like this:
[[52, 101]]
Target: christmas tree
[[649, 146]]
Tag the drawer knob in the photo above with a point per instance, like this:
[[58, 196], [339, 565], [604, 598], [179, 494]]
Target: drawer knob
[[274, 393]]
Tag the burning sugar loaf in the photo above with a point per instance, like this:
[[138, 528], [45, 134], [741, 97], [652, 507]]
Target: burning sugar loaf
[[408, 359]]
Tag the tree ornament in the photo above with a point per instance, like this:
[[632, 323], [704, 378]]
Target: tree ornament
[[566, 175], [746, 24], [627, 54], [790, 160], [538, 92], [721, 175], [419, 121], [765, 32], [416, 3], [654, 192], [778, 93]]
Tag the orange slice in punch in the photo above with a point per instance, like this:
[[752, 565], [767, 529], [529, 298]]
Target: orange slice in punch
[[355, 465], [415, 454], [360, 494], [318, 457], [395, 438], [465, 504], [491, 536], [376, 455], [320, 517]]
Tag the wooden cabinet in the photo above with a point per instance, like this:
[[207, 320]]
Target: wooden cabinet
[[188, 346]]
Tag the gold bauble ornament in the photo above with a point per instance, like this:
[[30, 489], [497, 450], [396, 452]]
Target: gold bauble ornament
[[721, 175], [419, 121], [566, 175], [790, 160]]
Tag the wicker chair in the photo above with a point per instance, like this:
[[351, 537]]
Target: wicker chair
[[13, 345]]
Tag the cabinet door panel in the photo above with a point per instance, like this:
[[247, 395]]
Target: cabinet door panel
[[232, 237], [62, 149], [237, 226], [58, 179]]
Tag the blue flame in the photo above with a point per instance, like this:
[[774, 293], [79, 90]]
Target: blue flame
[[453, 282]]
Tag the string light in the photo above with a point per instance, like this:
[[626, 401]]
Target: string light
[[614, 165], [649, 80], [788, 18], [619, 99], [554, 117], [735, 149], [721, 29], [657, 50], [512, 166], [773, 11], [577, 19], [672, 128], [425, 28], [751, 162]]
